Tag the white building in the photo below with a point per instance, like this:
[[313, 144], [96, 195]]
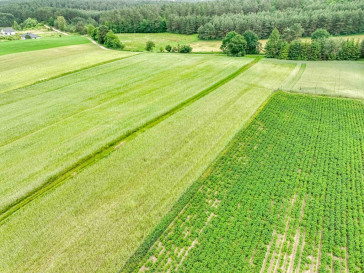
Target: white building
[[29, 36], [7, 31]]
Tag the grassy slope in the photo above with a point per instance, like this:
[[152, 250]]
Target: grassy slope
[[18, 70], [52, 125], [293, 172], [109, 208], [38, 44]]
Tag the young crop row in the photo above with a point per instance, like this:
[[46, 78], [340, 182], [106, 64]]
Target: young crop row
[[287, 196]]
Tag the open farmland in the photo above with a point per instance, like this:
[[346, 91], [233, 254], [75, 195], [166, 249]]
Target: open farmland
[[286, 196], [39, 44], [54, 125], [110, 207], [21, 69], [343, 79], [136, 41]]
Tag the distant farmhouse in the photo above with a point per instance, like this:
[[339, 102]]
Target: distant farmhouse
[[29, 36], [7, 31]]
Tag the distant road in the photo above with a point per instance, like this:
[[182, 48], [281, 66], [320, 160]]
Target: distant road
[[64, 33], [96, 43], [57, 30]]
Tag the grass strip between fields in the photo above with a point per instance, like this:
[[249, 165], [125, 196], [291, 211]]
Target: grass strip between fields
[[132, 262], [70, 72], [107, 149]]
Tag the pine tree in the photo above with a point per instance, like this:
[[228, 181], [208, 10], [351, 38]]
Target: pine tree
[[274, 44]]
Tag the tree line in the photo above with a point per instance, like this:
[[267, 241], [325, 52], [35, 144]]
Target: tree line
[[321, 47], [210, 19]]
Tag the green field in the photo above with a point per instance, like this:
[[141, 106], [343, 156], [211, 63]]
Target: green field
[[150, 170], [39, 44], [22, 69], [98, 146], [137, 41], [286, 196], [78, 114], [344, 79]]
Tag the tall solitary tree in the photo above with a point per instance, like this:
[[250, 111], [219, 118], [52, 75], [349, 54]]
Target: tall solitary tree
[[273, 45]]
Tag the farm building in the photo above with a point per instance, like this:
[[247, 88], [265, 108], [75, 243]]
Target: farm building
[[29, 36], [7, 31]]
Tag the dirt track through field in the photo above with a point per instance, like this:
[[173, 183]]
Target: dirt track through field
[[110, 147]]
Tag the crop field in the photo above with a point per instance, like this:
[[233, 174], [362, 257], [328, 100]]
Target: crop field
[[112, 205], [285, 196], [44, 64], [136, 41], [121, 161], [39, 44], [50, 126], [344, 79]]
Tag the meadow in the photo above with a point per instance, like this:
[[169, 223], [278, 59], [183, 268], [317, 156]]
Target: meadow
[[23, 69], [286, 196], [18, 46], [128, 192], [137, 41]]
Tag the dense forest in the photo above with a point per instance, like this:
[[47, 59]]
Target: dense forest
[[210, 19]]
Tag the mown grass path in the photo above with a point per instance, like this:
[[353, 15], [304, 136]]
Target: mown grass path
[[110, 147]]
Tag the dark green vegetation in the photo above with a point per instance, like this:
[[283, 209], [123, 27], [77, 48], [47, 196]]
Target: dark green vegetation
[[321, 47], [38, 44], [286, 195], [211, 19]]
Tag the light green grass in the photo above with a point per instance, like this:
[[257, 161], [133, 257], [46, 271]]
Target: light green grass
[[51, 126], [18, 70], [39, 44], [137, 41], [343, 79], [107, 210]]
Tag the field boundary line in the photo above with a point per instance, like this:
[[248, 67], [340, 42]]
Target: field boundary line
[[96, 43], [113, 145], [148, 242], [69, 73]]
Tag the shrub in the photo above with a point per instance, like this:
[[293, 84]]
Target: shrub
[[149, 46], [112, 41], [185, 49], [320, 34], [168, 48]]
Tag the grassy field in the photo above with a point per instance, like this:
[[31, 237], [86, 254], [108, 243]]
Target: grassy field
[[137, 41], [98, 146], [287, 196], [110, 207], [21, 69], [51, 126], [341, 79], [18, 46]]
